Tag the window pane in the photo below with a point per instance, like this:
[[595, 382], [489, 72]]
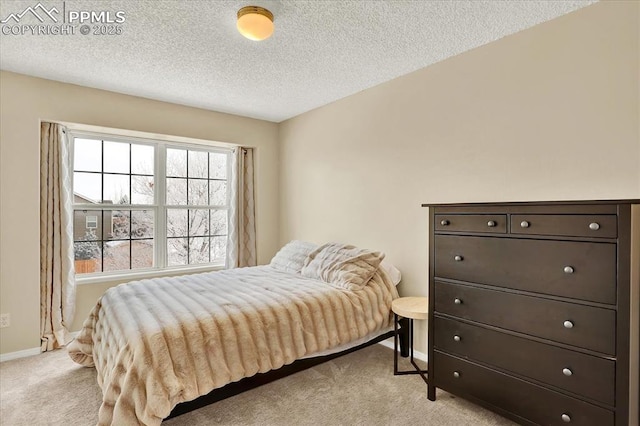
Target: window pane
[[141, 254], [217, 165], [198, 164], [198, 250], [117, 256], [176, 223], [87, 188], [117, 224], [217, 193], [142, 159], [82, 232], [87, 155], [176, 192], [218, 249], [218, 222], [198, 222], [116, 157], [176, 162], [116, 189], [142, 224], [88, 257], [177, 251], [142, 190], [198, 192]]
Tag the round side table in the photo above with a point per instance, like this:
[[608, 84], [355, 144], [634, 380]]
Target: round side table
[[410, 308]]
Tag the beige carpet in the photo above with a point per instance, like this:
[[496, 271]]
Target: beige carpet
[[356, 389]]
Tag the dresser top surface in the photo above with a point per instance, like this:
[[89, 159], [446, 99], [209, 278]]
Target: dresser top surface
[[534, 203]]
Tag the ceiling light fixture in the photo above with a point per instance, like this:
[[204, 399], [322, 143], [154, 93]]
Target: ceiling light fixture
[[255, 22]]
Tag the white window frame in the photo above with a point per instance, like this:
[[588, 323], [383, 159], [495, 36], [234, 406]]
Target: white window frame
[[159, 207], [94, 219]]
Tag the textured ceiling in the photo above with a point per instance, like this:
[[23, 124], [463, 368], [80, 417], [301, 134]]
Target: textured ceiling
[[189, 52]]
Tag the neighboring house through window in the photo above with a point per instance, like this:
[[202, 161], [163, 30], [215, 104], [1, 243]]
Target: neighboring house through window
[[141, 204]]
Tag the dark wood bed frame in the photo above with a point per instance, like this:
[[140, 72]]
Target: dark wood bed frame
[[263, 378]]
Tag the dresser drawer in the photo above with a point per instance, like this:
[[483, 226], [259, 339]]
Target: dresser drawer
[[582, 374], [535, 403], [494, 223], [580, 270], [583, 326], [601, 226]]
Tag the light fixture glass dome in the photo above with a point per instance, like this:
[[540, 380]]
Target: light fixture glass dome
[[255, 22]]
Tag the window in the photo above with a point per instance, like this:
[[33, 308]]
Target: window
[[148, 204], [91, 222]]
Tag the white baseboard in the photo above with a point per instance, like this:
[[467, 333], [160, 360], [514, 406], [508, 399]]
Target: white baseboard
[[19, 354], [27, 352], [416, 354]]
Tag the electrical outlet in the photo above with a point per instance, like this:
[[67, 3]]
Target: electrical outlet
[[5, 320]]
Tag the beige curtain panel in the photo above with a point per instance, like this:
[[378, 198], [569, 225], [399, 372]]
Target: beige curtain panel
[[247, 212], [57, 286], [241, 242]]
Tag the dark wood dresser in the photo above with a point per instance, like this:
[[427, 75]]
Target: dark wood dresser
[[531, 312]]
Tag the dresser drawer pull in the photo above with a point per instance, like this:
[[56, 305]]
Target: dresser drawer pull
[[456, 374], [457, 301], [444, 222], [491, 223], [524, 224], [458, 258], [594, 226], [568, 324], [456, 338], [568, 270], [566, 418], [567, 372]]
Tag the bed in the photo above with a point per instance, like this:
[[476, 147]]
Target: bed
[[160, 342]]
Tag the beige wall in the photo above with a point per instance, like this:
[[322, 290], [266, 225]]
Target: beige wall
[[550, 113], [24, 101]]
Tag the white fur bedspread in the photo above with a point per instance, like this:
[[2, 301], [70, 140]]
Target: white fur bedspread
[[156, 343]]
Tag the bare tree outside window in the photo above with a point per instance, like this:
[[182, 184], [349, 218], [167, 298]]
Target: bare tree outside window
[[196, 179]]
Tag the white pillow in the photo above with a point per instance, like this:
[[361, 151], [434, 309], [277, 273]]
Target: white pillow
[[392, 272], [292, 256]]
